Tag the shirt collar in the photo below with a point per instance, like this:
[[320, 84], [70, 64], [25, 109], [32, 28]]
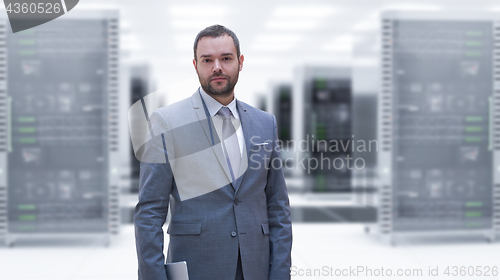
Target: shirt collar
[[214, 106]]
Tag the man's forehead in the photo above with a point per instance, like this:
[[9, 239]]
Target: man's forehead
[[222, 45]]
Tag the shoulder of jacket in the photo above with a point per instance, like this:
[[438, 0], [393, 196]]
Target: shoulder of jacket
[[257, 112], [178, 107]]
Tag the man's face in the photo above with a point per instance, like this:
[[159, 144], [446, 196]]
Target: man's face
[[217, 66]]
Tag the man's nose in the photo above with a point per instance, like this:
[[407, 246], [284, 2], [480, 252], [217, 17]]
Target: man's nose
[[217, 66]]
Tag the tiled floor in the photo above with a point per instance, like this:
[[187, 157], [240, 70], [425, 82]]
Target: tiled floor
[[316, 246]]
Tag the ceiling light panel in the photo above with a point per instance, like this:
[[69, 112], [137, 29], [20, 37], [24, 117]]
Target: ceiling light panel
[[332, 47], [298, 17], [298, 25], [304, 11], [198, 11], [277, 38]]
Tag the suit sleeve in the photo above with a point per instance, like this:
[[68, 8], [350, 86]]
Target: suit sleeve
[[278, 212], [155, 186]]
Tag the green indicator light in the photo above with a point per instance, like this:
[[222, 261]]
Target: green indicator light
[[26, 119], [27, 217], [473, 119], [473, 139], [26, 207], [474, 33], [27, 228], [320, 83], [473, 204], [473, 53], [26, 42], [473, 44], [473, 129], [320, 183], [26, 32], [321, 131], [27, 129], [27, 140], [473, 214], [477, 224], [27, 53]]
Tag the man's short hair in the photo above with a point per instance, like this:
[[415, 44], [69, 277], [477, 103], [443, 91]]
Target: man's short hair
[[217, 31]]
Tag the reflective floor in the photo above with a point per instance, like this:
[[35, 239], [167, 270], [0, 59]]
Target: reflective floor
[[319, 252]]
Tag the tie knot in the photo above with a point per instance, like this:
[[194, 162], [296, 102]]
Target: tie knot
[[224, 112]]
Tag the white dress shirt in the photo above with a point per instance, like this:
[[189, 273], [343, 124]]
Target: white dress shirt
[[213, 107]]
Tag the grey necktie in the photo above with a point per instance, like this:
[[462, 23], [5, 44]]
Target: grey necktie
[[230, 143]]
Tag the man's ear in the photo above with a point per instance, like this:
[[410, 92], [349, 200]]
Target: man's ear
[[194, 63], [241, 62]]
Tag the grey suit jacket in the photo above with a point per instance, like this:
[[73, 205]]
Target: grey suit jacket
[[212, 217]]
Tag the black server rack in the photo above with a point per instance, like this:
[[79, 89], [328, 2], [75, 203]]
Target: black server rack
[[140, 86], [438, 123], [59, 145], [262, 102], [326, 127], [364, 130], [282, 102]]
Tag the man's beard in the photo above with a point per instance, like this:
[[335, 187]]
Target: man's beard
[[225, 91]]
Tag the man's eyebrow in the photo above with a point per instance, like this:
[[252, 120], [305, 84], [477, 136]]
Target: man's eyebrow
[[205, 55], [227, 54]]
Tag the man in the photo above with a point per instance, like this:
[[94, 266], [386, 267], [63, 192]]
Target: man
[[211, 158]]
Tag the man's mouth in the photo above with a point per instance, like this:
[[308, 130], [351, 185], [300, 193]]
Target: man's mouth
[[218, 79]]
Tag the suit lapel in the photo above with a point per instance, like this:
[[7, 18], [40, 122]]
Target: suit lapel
[[247, 134], [208, 126]]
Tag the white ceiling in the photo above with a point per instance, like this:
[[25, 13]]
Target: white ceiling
[[275, 36]]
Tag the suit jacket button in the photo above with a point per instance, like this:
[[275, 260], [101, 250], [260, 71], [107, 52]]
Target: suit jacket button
[[236, 201], [233, 233]]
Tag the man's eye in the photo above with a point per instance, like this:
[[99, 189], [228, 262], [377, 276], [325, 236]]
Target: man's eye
[[206, 60], [226, 58]]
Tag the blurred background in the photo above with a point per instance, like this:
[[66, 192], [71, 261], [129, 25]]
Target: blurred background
[[388, 113]]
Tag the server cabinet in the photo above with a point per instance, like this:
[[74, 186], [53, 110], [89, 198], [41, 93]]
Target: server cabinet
[[438, 123], [59, 153], [262, 103], [323, 121], [140, 87], [365, 81], [282, 102]]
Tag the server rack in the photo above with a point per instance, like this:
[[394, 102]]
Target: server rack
[[365, 81], [322, 118], [262, 102], [140, 86], [439, 128], [59, 148], [282, 103], [364, 127], [3, 130]]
